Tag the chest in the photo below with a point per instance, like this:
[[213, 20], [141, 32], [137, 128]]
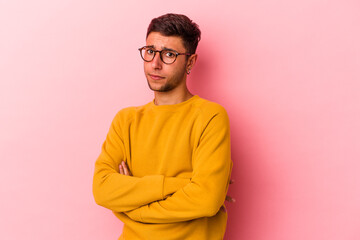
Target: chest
[[162, 145]]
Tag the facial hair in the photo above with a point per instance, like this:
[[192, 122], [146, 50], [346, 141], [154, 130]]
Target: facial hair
[[170, 84]]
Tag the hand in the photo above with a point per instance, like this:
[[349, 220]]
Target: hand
[[124, 170], [228, 198]]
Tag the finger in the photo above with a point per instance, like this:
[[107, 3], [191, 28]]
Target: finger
[[126, 170], [229, 199], [121, 169]]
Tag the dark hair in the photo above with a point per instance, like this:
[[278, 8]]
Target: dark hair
[[177, 25]]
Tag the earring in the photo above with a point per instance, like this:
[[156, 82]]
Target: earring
[[188, 72]]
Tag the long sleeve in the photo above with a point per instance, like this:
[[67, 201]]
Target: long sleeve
[[123, 193], [205, 194]]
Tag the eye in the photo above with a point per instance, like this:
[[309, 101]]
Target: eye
[[149, 51], [170, 54]]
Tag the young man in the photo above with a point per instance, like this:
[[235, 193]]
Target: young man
[[165, 167]]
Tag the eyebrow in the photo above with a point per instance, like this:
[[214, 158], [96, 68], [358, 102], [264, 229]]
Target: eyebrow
[[169, 49], [163, 48]]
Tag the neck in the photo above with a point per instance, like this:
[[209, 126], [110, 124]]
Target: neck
[[171, 97]]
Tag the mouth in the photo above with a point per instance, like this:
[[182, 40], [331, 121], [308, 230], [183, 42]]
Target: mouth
[[156, 77]]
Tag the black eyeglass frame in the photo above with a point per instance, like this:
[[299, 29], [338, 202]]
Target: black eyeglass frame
[[160, 52]]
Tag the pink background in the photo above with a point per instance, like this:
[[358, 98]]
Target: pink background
[[286, 71]]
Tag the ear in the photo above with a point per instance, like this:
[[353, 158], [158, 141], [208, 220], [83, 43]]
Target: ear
[[191, 62]]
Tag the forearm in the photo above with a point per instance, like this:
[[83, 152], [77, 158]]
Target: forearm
[[195, 200], [123, 193]]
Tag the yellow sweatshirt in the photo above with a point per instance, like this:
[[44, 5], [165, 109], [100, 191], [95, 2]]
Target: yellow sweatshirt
[[179, 157]]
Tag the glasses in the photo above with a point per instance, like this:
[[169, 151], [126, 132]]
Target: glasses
[[167, 56]]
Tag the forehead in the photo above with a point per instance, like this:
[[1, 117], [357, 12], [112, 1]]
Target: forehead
[[160, 41]]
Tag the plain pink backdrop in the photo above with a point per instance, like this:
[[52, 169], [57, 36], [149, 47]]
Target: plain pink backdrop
[[286, 71]]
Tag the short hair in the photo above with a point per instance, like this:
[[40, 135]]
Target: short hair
[[177, 25]]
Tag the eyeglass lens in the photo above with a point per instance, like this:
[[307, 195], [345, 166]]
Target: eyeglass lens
[[167, 56]]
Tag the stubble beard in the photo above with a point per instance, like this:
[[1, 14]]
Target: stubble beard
[[168, 85]]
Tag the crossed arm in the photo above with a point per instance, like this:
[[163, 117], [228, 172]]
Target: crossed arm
[[159, 199], [124, 170]]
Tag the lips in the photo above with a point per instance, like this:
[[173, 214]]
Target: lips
[[156, 77]]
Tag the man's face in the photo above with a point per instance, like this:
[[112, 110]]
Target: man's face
[[163, 77]]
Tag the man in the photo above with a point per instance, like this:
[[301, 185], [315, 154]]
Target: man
[[165, 167]]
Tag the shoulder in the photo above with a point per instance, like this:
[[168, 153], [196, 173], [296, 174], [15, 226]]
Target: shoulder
[[213, 119], [211, 115], [127, 114], [209, 109]]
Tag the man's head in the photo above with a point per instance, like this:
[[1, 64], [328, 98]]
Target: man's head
[[177, 25], [169, 54]]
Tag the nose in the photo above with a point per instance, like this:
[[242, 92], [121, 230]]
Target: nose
[[156, 63]]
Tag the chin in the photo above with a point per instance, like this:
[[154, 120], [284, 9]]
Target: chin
[[161, 88], [155, 87]]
